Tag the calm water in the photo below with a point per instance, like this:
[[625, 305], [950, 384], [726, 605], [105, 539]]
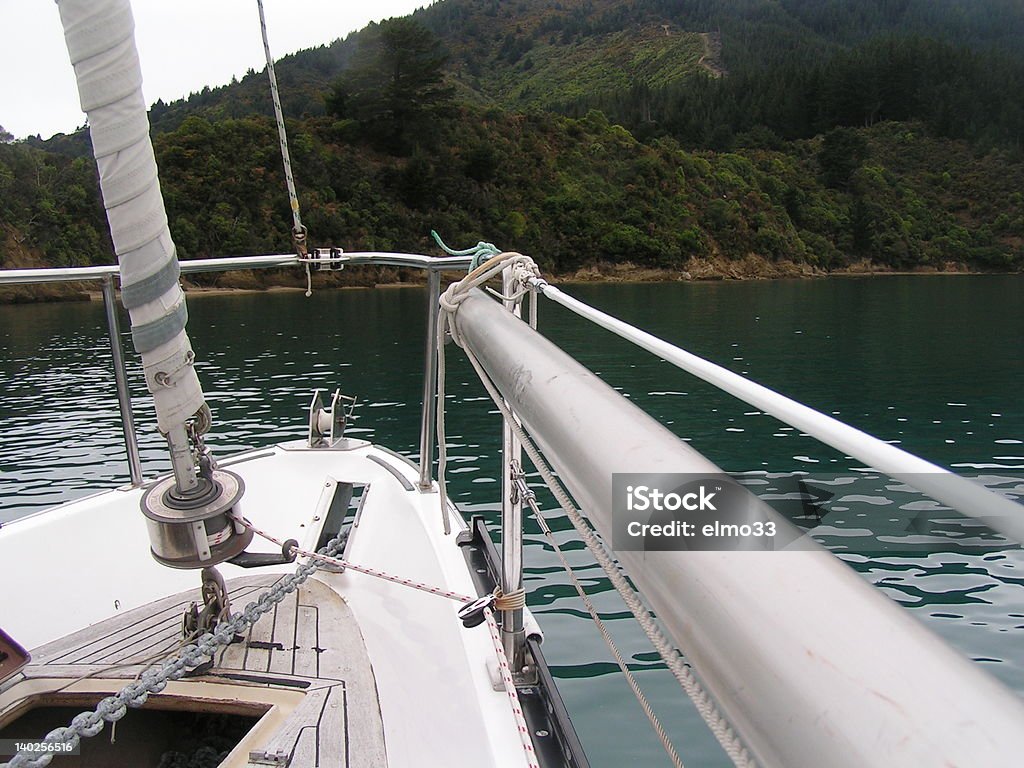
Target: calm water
[[933, 363]]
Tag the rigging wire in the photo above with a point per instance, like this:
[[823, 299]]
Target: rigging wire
[[652, 717], [298, 229]]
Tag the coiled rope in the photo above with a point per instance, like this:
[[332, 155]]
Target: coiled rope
[[450, 300], [479, 252]]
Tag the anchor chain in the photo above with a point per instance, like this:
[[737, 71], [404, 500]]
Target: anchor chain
[[155, 678]]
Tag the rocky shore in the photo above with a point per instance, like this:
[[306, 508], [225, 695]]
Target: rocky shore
[[750, 268]]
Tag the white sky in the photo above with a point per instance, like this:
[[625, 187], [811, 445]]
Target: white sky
[[183, 45]]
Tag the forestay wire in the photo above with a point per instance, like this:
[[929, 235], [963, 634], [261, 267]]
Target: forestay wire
[[298, 230]]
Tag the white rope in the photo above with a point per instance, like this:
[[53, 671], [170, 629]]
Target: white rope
[[972, 499], [510, 689], [449, 302], [298, 230]]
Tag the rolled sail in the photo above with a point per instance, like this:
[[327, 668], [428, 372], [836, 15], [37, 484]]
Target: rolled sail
[[100, 38]]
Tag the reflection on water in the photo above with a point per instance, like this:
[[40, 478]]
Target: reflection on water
[[932, 364]]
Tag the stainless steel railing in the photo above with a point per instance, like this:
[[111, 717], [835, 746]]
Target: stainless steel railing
[[124, 400], [429, 412], [195, 266], [105, 276]]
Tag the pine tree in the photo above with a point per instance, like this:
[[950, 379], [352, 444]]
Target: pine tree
[[395, 85]]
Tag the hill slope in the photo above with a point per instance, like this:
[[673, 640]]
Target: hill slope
[[824, 145], [578, 54]]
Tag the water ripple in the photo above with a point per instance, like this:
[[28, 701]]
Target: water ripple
[[60, 437]]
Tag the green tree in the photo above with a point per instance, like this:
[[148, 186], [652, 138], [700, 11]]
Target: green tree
[[395, 87], [842, 152]]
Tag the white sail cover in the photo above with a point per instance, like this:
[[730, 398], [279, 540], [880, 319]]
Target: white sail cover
[[100, 38]]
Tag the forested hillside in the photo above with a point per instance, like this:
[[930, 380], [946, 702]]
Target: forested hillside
[[712, 137]]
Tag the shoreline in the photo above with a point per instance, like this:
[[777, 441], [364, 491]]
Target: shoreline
[[708, 271]]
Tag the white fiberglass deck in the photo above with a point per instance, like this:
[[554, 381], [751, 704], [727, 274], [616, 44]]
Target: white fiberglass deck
[[80, 564]]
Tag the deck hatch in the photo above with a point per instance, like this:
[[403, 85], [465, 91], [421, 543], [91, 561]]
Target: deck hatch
[[343, 512], [147, 737]]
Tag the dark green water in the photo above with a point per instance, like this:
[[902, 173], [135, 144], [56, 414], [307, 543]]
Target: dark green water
[[934, 363]]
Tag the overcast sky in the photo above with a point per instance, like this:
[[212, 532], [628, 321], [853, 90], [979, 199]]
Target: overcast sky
[[183, 45]]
